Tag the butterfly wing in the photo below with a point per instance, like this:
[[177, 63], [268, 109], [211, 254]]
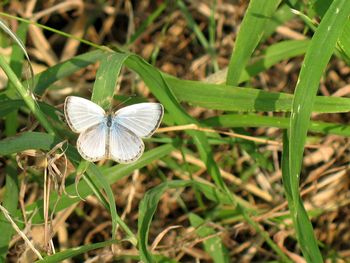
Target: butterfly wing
[[82, 114], [92, 142], [124, 145], [142, 119]]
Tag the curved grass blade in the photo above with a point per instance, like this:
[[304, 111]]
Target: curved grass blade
[[7, 106], [280, 17], [255, 120], [344, 41], [95, 173], [160, 88], [16, 63], [27, 96], [73, 252], [215, 96], [213, 246], [16, 144], [9, 201], [270, 56], [111, 174], [106, 79], [319, 52], [207, 45], [44, 79], [149, 205], [28, 140], [147, 22], [192, 24], [251, 30], [19, 43]]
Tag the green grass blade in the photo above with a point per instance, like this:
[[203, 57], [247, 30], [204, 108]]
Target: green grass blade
[[213, 246], [9, 201], [112, 175], [106, 79], [270, 56], [148, 21], [344, 41], [8, 106], [19, 42], [44, 79], [91, 182], [255, 120], [73, 252], [207, 45], [219, 97], [16, 63], [102, 179], [26, 95], [160, 88], [319, 52], [251, 30], [147, 208], [95, 173], [193, 25], [280, 17], [149, 205], [303, 227], [285, 171], [28, 140]]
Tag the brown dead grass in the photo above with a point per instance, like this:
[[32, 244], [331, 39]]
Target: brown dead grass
[[325, 185]]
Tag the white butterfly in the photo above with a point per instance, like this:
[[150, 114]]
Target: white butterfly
[[114, 136]]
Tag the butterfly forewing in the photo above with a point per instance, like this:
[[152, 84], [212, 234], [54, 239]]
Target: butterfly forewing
[[116, 136], [92, 143], [142, 119], [124, 145], [82, 114]]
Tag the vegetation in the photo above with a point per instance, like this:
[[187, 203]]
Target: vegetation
[[250, 163]]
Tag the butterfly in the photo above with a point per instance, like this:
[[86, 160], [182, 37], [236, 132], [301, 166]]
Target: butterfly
[[115, 136]]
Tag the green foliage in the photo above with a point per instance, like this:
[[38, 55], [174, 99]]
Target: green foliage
[[73, 252], [320, 49], [213, 246], [330, 37], [254, 22], [106, 79]]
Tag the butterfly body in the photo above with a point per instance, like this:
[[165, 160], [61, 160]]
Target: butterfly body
[[109, 120], [111, 135]]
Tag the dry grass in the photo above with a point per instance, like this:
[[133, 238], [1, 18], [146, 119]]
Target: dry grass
[[325, 187]]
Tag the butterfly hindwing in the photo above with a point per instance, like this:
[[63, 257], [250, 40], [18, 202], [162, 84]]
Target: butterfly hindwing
[[142, 119], [82, 114], [124, 145], [116, 136], [92, 143]]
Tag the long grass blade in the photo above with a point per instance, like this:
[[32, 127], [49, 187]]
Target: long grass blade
[[26, 95], [160, 88], [43, 80], [149, 205], [10, 201], [251, 30], [16, 63], [219, 97], [106, 79], [19, 42], [255, 120], [316, 59], [213, 246], [73, 252]]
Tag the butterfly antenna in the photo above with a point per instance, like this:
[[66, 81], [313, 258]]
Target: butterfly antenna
[[124, 101]]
